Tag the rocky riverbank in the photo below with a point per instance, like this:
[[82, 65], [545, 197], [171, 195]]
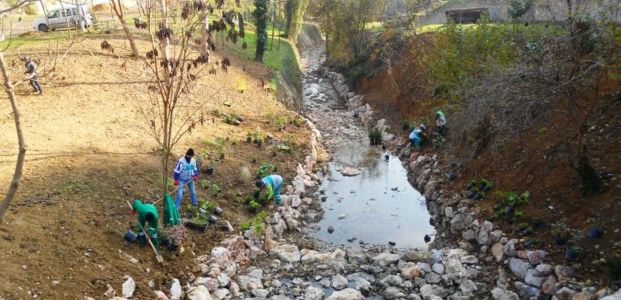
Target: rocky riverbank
[[470, 258]]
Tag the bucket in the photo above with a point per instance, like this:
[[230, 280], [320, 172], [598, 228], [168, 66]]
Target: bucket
[[218, 211], [130, 236]]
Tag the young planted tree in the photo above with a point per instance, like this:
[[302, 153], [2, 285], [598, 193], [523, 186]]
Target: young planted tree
[[119, 11], [261, 17], [173, 106], [9, 88]]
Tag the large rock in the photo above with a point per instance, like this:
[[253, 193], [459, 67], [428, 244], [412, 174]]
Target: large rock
[[220, 294], [519, 267], [458, 223], [251, 281], [362, 285], [337, 257], [453, 263], [509, 248], [428, 291], [236, 246], [467, 287], [549, 285], [564, 273], [349, 171], [536, 257], [129, 286], [438, 268], [502, 294], [418, 256], [346, 294], [224, 280], [208, 282], [393, 293], [565, 293], [288, 253], [313, 293], [339, 282], [469, 235], [410, 270], [392, 280], [198, 293], [498, 252], [483, 237], [525, 290], [532, 279], [176, 293], [386, 259]]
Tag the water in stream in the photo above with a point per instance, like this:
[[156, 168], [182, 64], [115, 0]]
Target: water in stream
[[379, 205]]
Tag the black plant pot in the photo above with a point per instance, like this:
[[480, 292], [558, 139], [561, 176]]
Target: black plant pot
[[218, 211], [252, 210], [559, 240], [209, 170], [571, 254], [213, 219], [595, 233]]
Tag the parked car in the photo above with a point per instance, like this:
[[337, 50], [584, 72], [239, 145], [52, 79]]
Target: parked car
[[66, 17]]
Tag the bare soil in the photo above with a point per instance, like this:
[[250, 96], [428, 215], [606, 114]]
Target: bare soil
[[88, 153]]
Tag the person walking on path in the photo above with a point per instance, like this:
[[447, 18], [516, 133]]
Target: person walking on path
[[31, 75], [273, 184], [186, 173], [146, 212]]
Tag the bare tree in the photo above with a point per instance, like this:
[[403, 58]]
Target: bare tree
[[173, 109], [117, 7], [9, 88], [21, 156]]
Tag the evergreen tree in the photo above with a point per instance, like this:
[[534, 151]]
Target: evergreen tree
[[260, 15]]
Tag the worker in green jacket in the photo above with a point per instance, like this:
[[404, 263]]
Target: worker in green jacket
[[146, 213]]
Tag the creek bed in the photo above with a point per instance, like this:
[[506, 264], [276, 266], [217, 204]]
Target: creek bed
[[377, 206]]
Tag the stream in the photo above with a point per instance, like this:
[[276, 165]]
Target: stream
[[378, 206]]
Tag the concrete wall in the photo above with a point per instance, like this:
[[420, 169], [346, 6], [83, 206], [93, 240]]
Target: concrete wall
[[543, 10]]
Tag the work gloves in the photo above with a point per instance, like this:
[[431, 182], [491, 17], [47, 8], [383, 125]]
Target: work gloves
[[176, 182]]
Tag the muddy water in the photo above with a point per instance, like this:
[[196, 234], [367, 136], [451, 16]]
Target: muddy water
[[377, 206]]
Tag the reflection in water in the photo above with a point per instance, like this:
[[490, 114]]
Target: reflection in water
[[377, 207]]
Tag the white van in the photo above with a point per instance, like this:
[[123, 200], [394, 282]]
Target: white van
[[66, 17]]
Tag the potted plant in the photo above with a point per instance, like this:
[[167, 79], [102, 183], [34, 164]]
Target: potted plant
[[253, 206]]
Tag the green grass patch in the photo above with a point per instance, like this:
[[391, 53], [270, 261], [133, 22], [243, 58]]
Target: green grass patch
[[279, 56], [36, 38]]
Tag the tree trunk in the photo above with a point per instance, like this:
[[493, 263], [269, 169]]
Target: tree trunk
[[132, 43], [205, 28], [117, 8], [21, 156]]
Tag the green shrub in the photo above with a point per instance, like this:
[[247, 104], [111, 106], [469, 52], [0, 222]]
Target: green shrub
[[464, 54], [265, 169], [408, 124], [375, 136]]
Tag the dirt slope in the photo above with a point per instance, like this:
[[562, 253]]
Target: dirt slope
[[88, 153]]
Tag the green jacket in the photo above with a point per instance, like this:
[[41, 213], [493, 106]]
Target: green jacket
[[143, 211]]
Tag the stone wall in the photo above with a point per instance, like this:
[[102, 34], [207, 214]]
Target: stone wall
[[543, 10]]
